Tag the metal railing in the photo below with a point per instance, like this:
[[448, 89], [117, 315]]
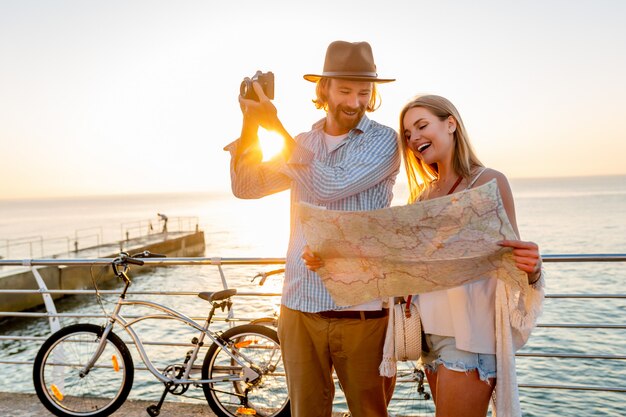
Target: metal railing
[[30, 242], [219, 262]]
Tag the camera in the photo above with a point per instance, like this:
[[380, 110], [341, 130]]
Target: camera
[[265, 79]]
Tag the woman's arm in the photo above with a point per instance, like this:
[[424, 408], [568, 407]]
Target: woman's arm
[[526, 254]]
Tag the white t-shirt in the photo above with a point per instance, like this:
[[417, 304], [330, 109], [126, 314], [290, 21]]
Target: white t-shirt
[[333, 141]]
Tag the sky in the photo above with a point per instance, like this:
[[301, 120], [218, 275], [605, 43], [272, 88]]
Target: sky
[[116, 97]]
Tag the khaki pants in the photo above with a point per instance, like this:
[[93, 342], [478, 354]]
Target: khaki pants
[[312, 345]]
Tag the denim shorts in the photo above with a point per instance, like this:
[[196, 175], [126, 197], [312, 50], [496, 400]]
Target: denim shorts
[[443, 351]]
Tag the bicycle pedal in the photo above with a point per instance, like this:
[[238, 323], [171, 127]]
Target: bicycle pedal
[[153, 410]]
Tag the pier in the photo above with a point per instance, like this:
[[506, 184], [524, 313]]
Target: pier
[[185, 240]]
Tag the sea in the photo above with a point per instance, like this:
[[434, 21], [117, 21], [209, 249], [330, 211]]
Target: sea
[[573, 215]]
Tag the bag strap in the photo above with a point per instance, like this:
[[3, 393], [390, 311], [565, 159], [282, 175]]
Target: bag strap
[[456, 184], [407, 308]]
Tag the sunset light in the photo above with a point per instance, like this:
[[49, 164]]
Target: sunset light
[[114, 79], [255, 155], [271, 143]]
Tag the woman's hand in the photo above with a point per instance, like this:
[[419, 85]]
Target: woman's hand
[[526, 256], [311, 260]]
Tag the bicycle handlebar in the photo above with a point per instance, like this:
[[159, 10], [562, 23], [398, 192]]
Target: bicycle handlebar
[[135, 259], [264, 275]]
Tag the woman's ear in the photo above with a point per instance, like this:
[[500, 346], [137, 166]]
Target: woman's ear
[[451, 124]]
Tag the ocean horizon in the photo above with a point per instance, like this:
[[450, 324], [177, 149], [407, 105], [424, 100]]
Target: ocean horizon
[[584, 207], [226, 192]]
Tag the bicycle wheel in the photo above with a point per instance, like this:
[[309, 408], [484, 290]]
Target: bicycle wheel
[[230, 396], [56, 372], [411, 398]]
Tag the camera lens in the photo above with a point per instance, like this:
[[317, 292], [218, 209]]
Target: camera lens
[[245, 86]]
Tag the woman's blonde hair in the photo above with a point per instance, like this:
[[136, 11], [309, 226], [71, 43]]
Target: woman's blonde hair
[[321, 99], [421, 175]]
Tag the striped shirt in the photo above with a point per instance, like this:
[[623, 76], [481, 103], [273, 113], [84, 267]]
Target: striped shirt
[[357, 175]]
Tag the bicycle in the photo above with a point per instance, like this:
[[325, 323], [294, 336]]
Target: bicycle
[[87, 370]]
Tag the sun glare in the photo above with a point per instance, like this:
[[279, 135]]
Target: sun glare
[[271, 143]]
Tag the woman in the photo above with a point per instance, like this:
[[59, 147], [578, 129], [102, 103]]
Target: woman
[[467, 354], [472, 331]]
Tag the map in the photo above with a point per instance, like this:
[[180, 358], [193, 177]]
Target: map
[[421, 247]]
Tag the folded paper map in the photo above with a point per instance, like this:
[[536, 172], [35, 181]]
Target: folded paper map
[[426, 246]]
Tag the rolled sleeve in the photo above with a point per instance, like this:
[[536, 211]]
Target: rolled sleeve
[[252, 178]]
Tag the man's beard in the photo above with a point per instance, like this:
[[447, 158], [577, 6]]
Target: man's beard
[[345, 121]]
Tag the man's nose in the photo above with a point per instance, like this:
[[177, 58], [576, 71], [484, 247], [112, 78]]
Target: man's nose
[[353, 102]]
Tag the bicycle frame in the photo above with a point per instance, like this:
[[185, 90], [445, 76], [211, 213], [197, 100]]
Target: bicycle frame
[[116, 318]]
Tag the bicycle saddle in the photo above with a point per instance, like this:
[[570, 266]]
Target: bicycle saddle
[[217, 295]]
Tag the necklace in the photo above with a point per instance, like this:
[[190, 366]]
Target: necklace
[[456, 184]]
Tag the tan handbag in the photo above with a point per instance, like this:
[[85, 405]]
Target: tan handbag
[[407, 331]]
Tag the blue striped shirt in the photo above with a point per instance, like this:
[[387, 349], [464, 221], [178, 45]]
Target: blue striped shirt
[[357, 175]]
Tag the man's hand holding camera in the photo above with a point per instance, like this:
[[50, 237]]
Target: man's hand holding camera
[[261, 112], [255, 95]]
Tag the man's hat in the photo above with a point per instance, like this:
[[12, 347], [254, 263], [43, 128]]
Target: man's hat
[[349, 61]]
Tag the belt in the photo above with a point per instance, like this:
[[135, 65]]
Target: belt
[[352, 314]]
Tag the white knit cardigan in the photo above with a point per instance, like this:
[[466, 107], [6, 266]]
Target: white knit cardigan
[[516, 317]]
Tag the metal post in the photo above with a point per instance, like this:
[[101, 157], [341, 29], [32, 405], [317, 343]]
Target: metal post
[[48, 301]]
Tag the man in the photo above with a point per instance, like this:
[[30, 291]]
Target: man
[[345, 162]]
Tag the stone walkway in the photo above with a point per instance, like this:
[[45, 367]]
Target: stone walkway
[[28, 405]]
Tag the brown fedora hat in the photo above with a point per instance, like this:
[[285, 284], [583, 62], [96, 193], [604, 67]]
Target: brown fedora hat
[[349, 61]]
